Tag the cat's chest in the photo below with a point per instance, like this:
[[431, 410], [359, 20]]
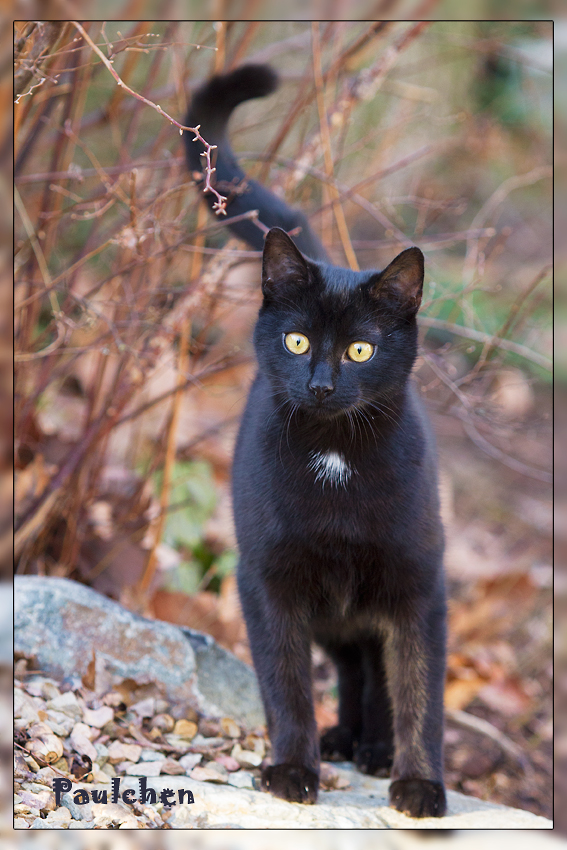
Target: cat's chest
[[329, 468], [326, 492]]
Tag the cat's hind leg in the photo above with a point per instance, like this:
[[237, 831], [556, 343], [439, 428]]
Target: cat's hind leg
[[375, 751], [339, 742]]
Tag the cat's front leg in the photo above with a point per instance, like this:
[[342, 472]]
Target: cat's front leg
[[415, 664], [281, 650]]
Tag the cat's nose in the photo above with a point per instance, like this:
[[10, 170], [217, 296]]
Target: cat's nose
[[321, 391]]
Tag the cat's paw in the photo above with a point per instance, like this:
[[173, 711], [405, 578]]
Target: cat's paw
[[291, 782], [337, 744], [418, 798], [375, 759]]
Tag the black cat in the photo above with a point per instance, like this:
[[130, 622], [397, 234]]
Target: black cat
[[335, 497]]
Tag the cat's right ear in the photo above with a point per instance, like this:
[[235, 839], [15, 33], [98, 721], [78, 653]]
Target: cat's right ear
[[403, 279], [282, 263]]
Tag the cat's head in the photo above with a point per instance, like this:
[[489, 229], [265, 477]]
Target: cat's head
[[329, 339]]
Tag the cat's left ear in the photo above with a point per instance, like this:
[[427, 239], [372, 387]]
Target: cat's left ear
[[282, 263], [403, 279]]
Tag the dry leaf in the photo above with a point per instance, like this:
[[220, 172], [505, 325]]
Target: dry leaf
[[460, 692]]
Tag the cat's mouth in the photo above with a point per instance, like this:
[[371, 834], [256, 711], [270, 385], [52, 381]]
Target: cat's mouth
[[325, 409]]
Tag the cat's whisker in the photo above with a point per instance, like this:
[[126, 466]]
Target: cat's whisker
[[351, 426], [384, 410], [368, 422], [274, 412]]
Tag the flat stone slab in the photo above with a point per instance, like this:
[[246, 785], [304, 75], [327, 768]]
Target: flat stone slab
[[62, 623], [362, 806]]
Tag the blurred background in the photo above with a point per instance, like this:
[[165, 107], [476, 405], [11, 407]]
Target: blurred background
[[134, 312]]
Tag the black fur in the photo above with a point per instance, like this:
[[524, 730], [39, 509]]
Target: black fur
[[352, 560]]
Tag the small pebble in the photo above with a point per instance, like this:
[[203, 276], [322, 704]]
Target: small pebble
[[60, 815], [200, 741], [148, 768], [172, 767], [151, 755], [228, 762], [98, 717], [118, 751], [144, 708], [164, 722], [189, 761], [246, 758], [66, 703], [242, 779], [185, 729], [208, 774], [230, 728]]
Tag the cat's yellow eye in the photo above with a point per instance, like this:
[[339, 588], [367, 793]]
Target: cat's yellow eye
[[296, 343], [360, 351]]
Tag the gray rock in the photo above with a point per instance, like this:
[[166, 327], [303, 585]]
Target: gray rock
[[40, 823], [241, 779], [77, 812], [62, 623]]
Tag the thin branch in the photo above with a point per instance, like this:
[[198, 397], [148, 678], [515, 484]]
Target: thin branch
[[327, 152], [78, 173], [343, 192], [226, 362], [182, 368], [478, 336], [517, 181], [49, 34], [250, 215], [507, 460], [514, 310], [430, 360], [437, 147], [437, 240], [477, 724], [219, 205]]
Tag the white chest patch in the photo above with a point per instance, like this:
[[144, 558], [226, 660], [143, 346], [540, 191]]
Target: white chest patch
[[331, 467]]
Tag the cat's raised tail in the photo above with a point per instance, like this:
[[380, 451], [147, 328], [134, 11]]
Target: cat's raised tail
[[211, 107]]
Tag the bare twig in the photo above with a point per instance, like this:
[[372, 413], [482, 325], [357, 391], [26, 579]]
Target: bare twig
[[478, 336], [517, 181], [250, 215], [437, 147], [514, 310], [81, 174], [507, 460], [343, 190], [430, 360], [477, 724], [49, 34], [171, 444], [326, 140], [219, 205], [226, 362]]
